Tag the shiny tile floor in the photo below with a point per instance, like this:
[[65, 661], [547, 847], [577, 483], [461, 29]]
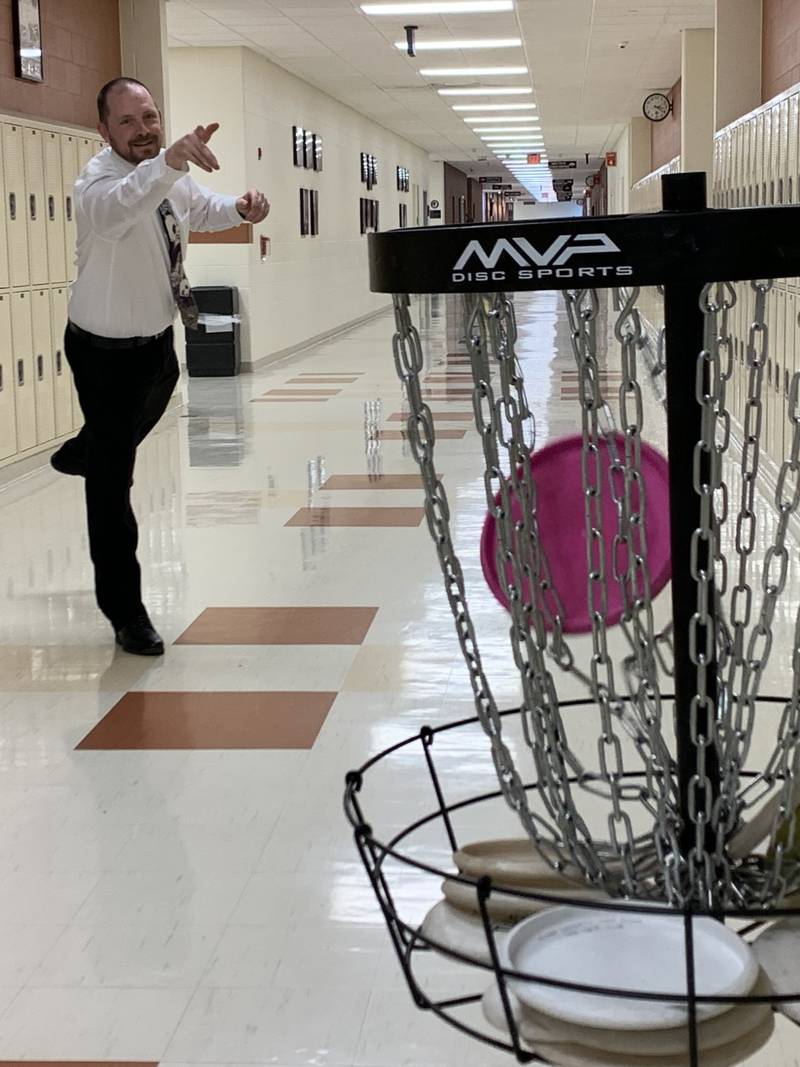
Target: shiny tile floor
[[178, 884]]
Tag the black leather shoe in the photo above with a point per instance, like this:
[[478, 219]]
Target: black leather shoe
[[139, 638], [66, 464]]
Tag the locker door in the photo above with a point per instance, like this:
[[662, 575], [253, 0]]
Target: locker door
[[35, 205], [792, 357], [8, 416], [62, 375], [14, 204], [69, 172], [5, 280], [43, 366], [793, 193], [24, 387], [54, 208], [85, 151]]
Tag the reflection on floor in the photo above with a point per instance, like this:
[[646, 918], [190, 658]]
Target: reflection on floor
[[178, 884]]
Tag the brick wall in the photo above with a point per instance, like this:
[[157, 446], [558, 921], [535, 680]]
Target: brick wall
[[780, 46], [665, 137], [80, 39]]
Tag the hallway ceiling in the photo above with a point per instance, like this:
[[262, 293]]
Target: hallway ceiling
[[591, 63]]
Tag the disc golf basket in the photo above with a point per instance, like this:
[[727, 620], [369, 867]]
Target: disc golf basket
[[689, 825]]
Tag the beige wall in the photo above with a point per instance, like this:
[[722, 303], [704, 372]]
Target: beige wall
[[307, 287]]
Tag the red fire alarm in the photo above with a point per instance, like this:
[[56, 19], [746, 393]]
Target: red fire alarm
[[611, 159]]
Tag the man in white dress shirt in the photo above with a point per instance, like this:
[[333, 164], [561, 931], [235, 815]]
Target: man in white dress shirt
[[135, 204]]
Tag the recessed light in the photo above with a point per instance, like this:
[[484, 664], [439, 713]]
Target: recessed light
[[460, 46], [489, 90], [475, 120], [507, 129], [499, 106], [469, 72], [439, 7]]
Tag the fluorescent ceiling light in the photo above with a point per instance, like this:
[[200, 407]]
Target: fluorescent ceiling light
[[488, 90], [507, 129], [469, 72], [439, 7], [460, 46], [475, 119], [499, 106]]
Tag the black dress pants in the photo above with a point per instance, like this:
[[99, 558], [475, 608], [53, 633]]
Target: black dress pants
[[123, 392]]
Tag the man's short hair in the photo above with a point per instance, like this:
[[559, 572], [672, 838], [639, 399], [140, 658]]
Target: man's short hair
[[102, 96]]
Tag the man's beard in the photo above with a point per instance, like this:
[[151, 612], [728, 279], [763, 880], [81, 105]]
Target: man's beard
[[137, 153]]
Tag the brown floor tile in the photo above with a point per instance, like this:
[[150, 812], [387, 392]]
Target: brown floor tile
[[376, 481], [211, 721], [458, 378], [357, 517], [321, 381], [302, 392], [290, 400], [401, 435], [279, 626], [445, 416], [440, 390], [446, 397]]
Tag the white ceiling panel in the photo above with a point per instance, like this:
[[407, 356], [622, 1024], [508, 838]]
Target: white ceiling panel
[[585, 85]]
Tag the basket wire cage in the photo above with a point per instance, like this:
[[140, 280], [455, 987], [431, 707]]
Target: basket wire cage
[[655, 714]]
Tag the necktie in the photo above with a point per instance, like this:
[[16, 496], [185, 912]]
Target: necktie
[[181, 290]]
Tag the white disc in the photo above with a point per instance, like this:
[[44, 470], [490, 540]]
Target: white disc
[[505, 908], [625, 950], [778, 952], [535, 1026], [461, 932], [571, 1054], [512, 861]]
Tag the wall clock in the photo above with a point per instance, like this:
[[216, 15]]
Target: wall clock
[[656, 107]]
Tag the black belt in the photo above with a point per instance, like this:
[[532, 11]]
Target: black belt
[[96, 341]]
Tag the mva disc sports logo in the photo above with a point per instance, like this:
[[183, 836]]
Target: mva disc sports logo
[[516, 258]]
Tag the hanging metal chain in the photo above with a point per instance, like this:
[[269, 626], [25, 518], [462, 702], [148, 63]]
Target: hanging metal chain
[[409, 363]]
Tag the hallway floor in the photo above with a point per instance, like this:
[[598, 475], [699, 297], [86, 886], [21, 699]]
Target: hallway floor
[[178, 883]]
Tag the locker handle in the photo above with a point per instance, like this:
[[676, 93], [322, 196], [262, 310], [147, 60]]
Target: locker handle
[[20, 372], [69, 209], [12, 206], [51, 208], [33, 206], [58, 361], [787, 385], [40, 368]]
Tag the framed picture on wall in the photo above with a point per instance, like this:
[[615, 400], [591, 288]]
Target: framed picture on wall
[[373, 171], [314, 217], [305, 213], [362, 214], [298, 145], [403, 216], [308, 153], [27, 21], [317, 152]]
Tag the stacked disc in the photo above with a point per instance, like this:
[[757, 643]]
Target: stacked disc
[[515, 868], [641, 952]]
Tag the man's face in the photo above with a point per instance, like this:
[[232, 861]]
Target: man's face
[[133, 125]]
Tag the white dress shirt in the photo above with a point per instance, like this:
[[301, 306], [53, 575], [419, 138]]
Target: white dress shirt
[[123, 287]]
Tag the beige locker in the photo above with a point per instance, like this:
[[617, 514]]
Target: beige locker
[[14, 204], [43, 368], [5, 280], [62, 375], [24, 385], [86, 150], [69, 172], [792, 357], [36, 209], [791, 152], [54, 208], [8, 416]]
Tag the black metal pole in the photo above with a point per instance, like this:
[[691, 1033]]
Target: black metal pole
[[684, 338]]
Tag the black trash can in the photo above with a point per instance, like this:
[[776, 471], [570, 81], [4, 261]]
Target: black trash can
[[210, 354]]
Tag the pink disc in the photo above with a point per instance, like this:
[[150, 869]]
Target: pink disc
[[556, 470]]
